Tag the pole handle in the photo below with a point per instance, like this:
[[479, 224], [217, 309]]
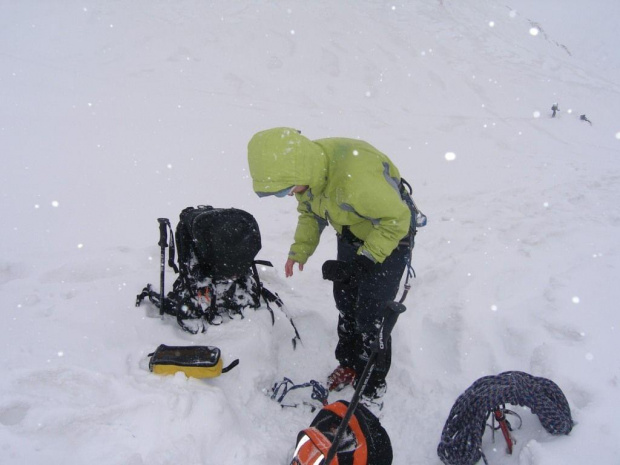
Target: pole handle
[[164, 223], [163, 232]]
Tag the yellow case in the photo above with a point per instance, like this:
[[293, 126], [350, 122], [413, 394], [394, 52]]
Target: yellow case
[[194, 361]]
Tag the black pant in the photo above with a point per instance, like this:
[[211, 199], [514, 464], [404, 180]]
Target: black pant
[[361, 309]]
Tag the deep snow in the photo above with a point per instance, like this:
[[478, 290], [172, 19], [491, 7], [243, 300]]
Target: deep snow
[[116, 113]]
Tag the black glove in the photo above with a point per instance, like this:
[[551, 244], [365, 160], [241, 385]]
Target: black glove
[[340, 271]]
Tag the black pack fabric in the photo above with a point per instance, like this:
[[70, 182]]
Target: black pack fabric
[[379, 446], [217, 269], [217, 242]]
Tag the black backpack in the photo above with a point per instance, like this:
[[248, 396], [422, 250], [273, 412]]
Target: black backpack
[[217, 270], [218, 243]]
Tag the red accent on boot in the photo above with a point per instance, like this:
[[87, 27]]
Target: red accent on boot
[[340, 378]]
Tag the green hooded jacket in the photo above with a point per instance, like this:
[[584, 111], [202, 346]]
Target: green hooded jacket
[[350, 182]]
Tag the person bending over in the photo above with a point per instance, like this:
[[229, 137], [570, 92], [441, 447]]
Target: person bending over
[[351, 185]]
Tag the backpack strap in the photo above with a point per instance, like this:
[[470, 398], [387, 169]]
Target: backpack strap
[[418, 220], [269, 296], [155, 299], [261, 290], [360, 455]]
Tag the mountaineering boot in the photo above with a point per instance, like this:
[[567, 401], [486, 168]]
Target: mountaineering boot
[[340, 378]]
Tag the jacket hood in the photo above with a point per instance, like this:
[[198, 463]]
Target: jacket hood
[[281, 157]]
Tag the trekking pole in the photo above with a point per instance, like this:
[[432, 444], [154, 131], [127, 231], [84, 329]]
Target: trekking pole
[[392, 311], [164, 223]]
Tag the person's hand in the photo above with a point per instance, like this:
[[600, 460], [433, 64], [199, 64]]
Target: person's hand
[[288, 267]]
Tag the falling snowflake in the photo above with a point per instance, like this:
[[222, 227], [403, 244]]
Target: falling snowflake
[[534, 31], [450, 156]]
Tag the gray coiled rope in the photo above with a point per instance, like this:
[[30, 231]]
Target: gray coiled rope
[[461, 438]]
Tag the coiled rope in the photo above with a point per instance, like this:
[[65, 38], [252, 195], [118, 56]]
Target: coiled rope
[[461, 438]]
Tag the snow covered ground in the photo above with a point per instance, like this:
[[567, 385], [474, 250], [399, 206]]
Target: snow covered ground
[[116, 113]]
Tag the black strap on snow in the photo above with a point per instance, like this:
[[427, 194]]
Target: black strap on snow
[[232, 365], [169, 307], [269, 296], [461, 437], [146, 292], [259, 284]]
